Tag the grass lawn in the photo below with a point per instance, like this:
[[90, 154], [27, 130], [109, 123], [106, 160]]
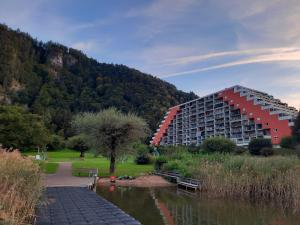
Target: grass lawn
[[128, 167], [49, 167]]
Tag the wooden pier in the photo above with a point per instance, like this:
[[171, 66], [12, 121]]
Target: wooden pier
[[182, 182]]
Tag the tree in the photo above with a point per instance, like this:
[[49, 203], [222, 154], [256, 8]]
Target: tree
[[288, 142], [218, 144], [78, 143], [257, 144], [21, 129], [296, 129], [111, 132]]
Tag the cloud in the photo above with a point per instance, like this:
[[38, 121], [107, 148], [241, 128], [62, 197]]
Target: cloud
[[280, 56], [199, 58], [84, 45]]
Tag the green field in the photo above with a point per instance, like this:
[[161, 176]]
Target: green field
[[49, 167], [127, 167]]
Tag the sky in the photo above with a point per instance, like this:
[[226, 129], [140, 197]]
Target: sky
[[197, 45]]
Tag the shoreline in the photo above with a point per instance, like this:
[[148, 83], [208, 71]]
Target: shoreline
[[142, 181]]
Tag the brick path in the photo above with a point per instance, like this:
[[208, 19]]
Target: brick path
[[63, 177]]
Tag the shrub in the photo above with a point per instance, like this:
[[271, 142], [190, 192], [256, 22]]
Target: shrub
[[56, 142], [159, 162], [193, 149], [143, 154], [288, 142], [257, 144], [78, 143], [218, 144], [285, 151], [143, 159], [266, 151], [239, 150]]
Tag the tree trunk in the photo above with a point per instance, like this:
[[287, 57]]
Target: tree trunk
[[82, 154], [112, 162]]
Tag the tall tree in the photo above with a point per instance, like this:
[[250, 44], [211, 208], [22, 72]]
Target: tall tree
[[21, 129], [111, 132]]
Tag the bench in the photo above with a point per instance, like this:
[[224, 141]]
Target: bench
[[189, 183], [90, 171]]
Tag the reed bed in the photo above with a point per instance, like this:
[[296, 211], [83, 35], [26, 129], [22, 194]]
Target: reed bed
[[20, 188], [273, 179]]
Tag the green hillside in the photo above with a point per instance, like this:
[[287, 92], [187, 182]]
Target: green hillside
[[57, 82]]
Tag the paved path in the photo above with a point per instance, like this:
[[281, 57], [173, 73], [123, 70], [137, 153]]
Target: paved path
[[79, 206], [69, 202], [63, 177]]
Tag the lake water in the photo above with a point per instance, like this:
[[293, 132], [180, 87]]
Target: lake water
[[172, 206]]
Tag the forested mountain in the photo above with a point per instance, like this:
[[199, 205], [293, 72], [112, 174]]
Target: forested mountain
[[57, 82]]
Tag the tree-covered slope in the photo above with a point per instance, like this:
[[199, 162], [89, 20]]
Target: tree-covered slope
[[57, 82]]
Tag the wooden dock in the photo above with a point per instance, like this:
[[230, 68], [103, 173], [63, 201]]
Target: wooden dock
[[182, 182]]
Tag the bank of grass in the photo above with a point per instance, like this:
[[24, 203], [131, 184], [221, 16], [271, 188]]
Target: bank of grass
[[127, 167], [49, 167], [275, 178], [20, 188]]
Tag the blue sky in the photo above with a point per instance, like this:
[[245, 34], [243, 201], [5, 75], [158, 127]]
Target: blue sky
[[198, 45]]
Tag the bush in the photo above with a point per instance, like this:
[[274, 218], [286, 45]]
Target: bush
[[218, 144], [266, 151], [257, 144], [288, 142], [143, 159], [285, 151], [56, 142], [239, 150], [78, 143], [159, 162], [143, 154]]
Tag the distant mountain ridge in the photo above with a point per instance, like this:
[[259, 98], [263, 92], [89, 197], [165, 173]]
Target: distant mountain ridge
[[58, 82]]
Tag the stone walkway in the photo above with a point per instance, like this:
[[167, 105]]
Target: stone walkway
[[63, 177], [67, 201], [79, 206]]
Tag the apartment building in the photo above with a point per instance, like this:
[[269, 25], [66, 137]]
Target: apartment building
[[238, 113]]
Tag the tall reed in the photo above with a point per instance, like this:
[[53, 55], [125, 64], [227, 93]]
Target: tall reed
[[274, 178], [20, 188]]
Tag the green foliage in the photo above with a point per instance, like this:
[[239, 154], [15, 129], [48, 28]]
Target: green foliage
[[266, 151], [21, 129], [159, 162], [239, 150], [257, 144], [55, 142], [284, 151], [78, 143], [218, 144], [58, 82], [288, 142], [296, 128], [143, 154], [111, 132]]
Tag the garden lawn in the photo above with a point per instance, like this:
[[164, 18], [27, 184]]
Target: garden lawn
[[49, 167], [128, 167]]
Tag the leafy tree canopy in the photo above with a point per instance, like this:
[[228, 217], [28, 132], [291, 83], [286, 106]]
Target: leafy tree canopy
[[111, 132], [21, 129]]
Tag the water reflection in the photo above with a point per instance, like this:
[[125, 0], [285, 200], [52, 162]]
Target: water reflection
[[173, 206]]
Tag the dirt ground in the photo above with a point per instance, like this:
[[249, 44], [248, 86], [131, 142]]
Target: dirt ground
[[142, 181]]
